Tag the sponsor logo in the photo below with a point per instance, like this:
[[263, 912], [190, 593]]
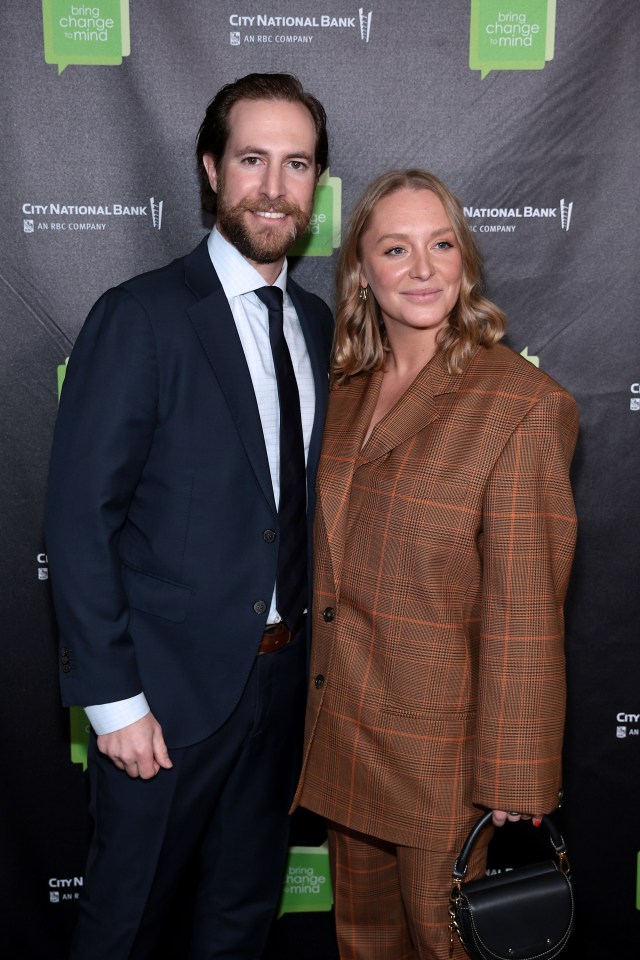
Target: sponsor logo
[[627, 725], [322, 235], [93, 34], [307, 882], [64, 888], [634, 401], [511, 35], [365, 24], [534, 360], [43, 566], [260, 27], [560, 214], [84, 217]]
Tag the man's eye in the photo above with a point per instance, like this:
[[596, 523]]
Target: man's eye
[[251, 161], [298, 165]]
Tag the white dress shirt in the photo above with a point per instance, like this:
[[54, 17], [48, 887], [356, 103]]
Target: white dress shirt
[[239, 279]]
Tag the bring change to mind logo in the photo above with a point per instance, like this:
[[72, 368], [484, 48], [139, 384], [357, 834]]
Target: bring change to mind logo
[[322, 235], [511, 34], [93, 34]]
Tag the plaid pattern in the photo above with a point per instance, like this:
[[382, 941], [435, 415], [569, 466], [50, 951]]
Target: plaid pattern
[[391, 903], [444, 547]]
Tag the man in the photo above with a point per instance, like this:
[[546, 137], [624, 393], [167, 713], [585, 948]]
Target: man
[[178, 528]]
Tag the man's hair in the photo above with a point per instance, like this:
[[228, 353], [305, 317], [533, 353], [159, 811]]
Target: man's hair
[[214, 130], [360, 341]]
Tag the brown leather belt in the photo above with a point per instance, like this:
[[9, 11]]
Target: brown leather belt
[[275, 636]]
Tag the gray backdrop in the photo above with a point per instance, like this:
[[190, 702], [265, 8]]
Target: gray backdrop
[[541, 155]]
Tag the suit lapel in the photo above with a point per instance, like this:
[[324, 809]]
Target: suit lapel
[[415, 409], [350, 410], [214, 324]]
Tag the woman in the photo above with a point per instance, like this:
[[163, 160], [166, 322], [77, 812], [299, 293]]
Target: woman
[[444, 537]]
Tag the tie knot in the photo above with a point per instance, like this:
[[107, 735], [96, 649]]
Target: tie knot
[[272, 297]]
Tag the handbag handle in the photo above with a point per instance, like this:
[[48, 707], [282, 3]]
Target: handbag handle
[[557, 842]]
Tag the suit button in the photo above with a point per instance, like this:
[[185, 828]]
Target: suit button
[[259, 606], [63, 651], [269, 536], [65, 659], [319, 681], [328, 614], [66, 668]]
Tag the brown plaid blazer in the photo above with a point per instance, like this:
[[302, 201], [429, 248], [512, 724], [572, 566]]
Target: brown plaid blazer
[[442, 554]]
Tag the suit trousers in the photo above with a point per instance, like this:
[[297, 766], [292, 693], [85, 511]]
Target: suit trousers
[[391, 902], [221, 811]]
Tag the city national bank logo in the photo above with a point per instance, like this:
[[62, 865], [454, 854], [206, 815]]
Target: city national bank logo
[[634, 403], [299, 29], [511, 34], [83, 217], [560, 215], [64, 888], [94, 34], [322, 235], [628, 725]]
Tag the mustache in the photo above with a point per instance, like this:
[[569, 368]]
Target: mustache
[[264, 206]]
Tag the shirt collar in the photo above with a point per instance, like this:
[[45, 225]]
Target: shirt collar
[[235, 273]]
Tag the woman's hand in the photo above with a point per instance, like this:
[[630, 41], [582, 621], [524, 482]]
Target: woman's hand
[[500, 817]]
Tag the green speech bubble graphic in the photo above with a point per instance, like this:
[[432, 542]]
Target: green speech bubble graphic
[[95, 34], [511, 34], [307, 882], [322, 235]]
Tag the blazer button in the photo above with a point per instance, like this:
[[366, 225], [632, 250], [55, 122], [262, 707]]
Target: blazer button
[[269, 536], [63, 651], [319, 681], [259, 606], [328, 614], [66, 668]]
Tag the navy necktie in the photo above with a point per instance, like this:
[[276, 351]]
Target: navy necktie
[[291, 581]]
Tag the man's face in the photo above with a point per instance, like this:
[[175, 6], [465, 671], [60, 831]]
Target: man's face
[[266, 178]]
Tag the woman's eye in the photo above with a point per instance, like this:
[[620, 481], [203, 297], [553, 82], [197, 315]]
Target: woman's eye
[[394, 251]]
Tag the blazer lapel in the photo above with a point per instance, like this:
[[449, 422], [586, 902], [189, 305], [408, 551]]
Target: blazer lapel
[[214, 324], [416, 409], [350, 409]]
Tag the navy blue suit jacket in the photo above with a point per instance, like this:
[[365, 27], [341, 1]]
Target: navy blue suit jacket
[[160, 505]]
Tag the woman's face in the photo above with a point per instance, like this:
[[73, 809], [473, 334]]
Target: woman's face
[[411, 259]]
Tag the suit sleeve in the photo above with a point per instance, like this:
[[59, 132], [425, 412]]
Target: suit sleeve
[[103, 434], [529, 530]]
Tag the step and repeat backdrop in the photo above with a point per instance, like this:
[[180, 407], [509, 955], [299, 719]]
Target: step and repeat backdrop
[[528, 110]]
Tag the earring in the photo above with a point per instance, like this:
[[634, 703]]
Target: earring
[[363, 294]]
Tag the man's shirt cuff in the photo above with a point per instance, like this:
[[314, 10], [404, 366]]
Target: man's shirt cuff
[[109, 717]]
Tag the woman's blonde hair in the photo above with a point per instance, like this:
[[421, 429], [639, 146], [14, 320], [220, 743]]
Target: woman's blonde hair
[[360, 341]]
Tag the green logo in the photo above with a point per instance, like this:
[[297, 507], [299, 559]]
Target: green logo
[[511, 34], [534, 360], [92, 33], [322, 235], [307, 883]]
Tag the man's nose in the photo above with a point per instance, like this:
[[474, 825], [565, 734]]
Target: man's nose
[[273, 182]]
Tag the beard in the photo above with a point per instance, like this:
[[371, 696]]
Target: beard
[[261, 244]]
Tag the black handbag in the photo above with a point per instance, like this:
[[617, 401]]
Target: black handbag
[[521, 914]]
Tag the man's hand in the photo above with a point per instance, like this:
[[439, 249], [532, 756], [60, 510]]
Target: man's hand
[[138, 749]]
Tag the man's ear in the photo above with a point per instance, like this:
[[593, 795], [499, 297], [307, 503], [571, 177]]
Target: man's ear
[[210, 166]]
